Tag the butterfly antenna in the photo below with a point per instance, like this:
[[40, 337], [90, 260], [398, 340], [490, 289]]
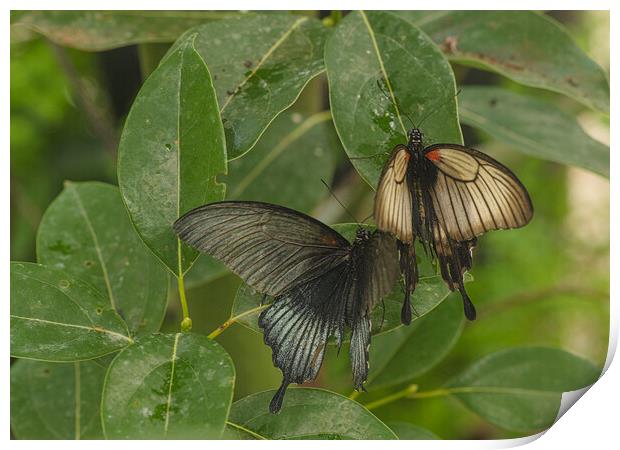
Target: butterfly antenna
[[434, 110], [367, 217], [339, 202]]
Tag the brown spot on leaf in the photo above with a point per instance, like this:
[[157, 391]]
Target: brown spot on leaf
[[570, 80], [248, 64], [449, 44]]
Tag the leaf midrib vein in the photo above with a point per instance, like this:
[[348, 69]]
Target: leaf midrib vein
[[264, 58], [93, 235]]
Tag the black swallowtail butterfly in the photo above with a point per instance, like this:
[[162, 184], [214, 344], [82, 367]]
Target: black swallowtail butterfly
[[320, 282], [445, 195]]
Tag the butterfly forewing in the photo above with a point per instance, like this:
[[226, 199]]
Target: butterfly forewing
[[472, 193], [393, 206], [270, 247]]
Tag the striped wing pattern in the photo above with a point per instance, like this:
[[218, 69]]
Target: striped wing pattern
[[377, 271], [299, 322], [270, 247], [393, 205], [473, 193]]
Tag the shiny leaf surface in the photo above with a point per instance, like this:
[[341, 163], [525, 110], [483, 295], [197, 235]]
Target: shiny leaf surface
[[526, 46], [532, 126], [171, 151], [87, 233], [520, 388], [306, 414], [260, 63], [382, 69], [57, 317], [173, 386], [56, 400]]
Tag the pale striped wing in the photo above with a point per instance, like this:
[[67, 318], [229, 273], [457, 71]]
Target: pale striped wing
[[473, 193], [393, 206], [270, 247]]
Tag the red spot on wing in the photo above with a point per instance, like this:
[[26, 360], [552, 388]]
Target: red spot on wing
[[434, 155]]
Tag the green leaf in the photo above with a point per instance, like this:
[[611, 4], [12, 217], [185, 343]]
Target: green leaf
[[296, 152], [105, 30], [204, 270], [56, 400], [532, 126], [287, 164], [56, 317], [380, 70], [429, 293], [306, 414], [175, 386], [260, 64], [408, 431], [408, 352], [86, 232], [525, 46], [520, 388], [171, 151]]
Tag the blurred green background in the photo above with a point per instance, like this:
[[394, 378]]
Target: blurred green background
[[545, 284]]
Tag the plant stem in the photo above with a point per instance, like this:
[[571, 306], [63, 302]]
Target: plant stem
[[245, 430], [219, 330], [186, 323], [411, 389]]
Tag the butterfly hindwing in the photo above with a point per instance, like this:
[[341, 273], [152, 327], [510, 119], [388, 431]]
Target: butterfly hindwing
[[473, 193], [270, 247], [299, 323], [376, 271]]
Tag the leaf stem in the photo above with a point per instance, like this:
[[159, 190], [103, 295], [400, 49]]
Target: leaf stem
[[411, 389], [223, 327], [411, 392], [186, 323], [245, 430]]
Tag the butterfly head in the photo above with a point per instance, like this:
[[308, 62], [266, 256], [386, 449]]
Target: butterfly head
[[415, 137], [362, 234]]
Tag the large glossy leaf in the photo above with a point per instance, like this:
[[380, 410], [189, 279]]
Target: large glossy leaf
[[287, 164], [408, 352], [57, 317], [260, 64], [104, 30], [381, 69], [171, 151], [176, 386], [285, 167], [306, 414], [86, 232], [56, 400], [526, 46], [532, 126], [520, 388], [429, 293], [203, 271], [408, 431]]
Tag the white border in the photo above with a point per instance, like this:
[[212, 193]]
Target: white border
[[591, 422]]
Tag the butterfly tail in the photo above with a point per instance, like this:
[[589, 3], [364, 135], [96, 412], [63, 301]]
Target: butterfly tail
[[358, 351], [468, 306], [276, 402], [409, 269]]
